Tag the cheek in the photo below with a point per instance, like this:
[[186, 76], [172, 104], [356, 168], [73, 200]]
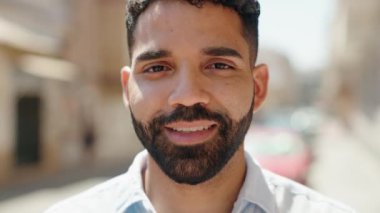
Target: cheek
[[236, 98], [146, 100]]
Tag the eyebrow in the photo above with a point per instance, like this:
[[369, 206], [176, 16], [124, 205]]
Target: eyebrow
[[211, 51], [221, 51], [152, 55]]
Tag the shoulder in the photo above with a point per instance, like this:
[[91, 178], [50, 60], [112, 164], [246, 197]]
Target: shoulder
[[294, 197]]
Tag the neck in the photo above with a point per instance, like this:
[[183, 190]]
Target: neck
[[215, 195]]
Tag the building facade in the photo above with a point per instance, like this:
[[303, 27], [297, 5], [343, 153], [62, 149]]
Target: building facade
[[60, 96], [352, 84]]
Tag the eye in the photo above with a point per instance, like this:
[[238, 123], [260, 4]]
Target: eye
[[156, 69], [219, 66]]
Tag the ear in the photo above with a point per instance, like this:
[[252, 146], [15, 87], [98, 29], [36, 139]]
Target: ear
[[260, 76], [125, 73]]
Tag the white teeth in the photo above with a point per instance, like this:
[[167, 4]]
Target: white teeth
[[191, 129]]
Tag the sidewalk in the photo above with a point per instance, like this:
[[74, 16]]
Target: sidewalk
[[39, 200], [346, 169], [37, 196]]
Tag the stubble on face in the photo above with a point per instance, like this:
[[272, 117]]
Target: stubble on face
[[197, 163]]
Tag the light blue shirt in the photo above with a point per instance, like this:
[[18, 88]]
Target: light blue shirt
[[262, 192]]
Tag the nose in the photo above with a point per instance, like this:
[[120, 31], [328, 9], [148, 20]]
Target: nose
[[190, 89]]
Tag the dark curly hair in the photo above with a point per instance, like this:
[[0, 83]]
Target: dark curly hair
[[248, 10]]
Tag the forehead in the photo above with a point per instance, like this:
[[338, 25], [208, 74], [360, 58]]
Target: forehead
[[168, 22]]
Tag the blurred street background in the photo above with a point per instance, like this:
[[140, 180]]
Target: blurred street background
[[63, 126]]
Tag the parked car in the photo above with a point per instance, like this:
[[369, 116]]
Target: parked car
[[304, 120], [280, 150]]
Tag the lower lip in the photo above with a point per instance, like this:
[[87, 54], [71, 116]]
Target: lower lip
[[190, 138]]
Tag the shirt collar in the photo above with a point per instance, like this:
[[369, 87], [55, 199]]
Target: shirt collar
[[134, 178], [255, 189]]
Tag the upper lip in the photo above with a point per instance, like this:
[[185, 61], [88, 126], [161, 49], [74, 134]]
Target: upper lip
[[191, 126]]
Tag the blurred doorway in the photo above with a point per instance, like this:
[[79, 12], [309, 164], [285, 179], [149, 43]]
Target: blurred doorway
[[28, 130]]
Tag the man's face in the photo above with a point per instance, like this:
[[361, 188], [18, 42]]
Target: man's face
[[190, 88]]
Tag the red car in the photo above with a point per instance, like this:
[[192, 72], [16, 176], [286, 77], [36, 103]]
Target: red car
[[281, 151]]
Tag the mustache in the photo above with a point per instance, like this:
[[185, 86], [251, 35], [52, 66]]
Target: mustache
[[190, 113], [153, 129]]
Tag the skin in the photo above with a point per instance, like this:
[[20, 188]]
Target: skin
[[201, 57]]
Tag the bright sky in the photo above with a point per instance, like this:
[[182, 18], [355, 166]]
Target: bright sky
[[299, 29]]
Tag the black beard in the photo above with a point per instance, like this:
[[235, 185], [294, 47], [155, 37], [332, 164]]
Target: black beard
[[197, 163]]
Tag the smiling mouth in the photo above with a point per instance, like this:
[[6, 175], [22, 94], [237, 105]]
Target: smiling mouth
[[191, 129], [190, 133], [191, 126]]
